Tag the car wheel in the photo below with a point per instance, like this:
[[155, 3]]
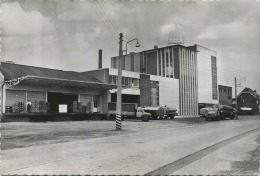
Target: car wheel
[[145, 118]]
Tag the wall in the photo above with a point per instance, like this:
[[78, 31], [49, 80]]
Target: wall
[[144, 90], [225, 95], [188, 82], [151, 58], [2, 94], [103, 93], [205, 75], [124, 73], [101, 74], [168, 91]]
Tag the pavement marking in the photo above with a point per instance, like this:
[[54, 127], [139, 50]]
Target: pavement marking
[[176, 165]]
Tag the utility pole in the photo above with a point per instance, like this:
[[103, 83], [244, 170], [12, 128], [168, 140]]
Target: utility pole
[[119, 86], [236, 92]]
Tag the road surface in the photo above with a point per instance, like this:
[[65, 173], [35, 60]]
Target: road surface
[[187, 149]]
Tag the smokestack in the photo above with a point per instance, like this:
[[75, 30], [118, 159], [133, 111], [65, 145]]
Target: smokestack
[[100, 58]]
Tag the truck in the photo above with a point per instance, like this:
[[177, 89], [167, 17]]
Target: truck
[[221, 112], [129, 110], [161, 112], [204, 112]]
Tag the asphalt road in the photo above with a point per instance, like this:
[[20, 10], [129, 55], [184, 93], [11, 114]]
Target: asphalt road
[[174, 149]]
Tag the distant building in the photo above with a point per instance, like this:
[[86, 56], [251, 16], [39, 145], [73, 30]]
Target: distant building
[[248, 99], [225, 95]]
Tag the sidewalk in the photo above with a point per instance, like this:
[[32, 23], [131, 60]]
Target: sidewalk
[[238, 158]]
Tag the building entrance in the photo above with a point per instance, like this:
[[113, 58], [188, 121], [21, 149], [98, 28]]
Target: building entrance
[[55, 99]]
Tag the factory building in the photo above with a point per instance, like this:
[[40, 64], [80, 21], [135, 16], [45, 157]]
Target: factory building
[[177, 76]]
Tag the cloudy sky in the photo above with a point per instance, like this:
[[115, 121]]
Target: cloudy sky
[[68, 34]]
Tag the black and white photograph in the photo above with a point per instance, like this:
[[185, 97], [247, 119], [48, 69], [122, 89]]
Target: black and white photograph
[[130, 87]]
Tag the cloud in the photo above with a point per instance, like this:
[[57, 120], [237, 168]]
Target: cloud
[[167, 28], [17, 22], [232, 30]]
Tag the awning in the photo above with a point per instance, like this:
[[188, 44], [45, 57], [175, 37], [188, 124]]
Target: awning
[[60, 83]]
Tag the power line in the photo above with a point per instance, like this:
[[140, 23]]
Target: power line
[[107, 26], [109, 18]]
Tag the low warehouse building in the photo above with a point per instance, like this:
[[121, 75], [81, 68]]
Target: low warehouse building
[[28, 90]]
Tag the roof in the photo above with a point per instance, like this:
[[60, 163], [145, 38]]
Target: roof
[[222, 86], [248, 90], [14, 71]]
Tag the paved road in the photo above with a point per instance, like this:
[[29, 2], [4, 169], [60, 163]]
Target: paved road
[[139, 153]]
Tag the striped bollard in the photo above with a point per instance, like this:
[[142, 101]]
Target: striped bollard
[[118, 121]]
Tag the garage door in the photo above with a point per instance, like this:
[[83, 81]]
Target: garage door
[[85, 99], [14, 96]]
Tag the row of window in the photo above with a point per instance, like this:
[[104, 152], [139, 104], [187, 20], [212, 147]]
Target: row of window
[[165, 63], [228, 91], [126, 81]]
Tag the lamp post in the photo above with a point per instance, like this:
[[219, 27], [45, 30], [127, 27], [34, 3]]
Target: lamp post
[[238, 85], [137, 44], [119, 81]]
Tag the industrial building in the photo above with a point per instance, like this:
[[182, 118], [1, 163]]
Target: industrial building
[[178, 76], [27, 90]]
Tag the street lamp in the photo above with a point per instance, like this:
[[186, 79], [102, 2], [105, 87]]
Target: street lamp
[[119, 81], [137, 44], [238, 85]]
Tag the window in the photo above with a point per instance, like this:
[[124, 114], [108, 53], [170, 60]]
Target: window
[[214, 77], [159, 65], [135, 83], [220, 90], [229, 94], [154, 93], [96, 101], [112, 79], [163, 64]]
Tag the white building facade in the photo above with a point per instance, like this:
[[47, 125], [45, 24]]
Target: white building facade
[[177, 76]]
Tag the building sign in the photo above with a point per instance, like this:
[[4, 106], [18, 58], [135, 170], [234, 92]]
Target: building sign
[[63, 108], [176, 40]]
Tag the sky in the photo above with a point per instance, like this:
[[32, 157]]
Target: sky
[[67, 35]]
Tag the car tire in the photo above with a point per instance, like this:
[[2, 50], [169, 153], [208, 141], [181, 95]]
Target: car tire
[[145, 119]]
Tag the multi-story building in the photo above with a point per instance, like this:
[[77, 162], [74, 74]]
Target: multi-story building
[[225, 95], [190, 73], [143, 89]]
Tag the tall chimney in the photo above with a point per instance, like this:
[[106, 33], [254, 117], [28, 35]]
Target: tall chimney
[[100, 58]]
